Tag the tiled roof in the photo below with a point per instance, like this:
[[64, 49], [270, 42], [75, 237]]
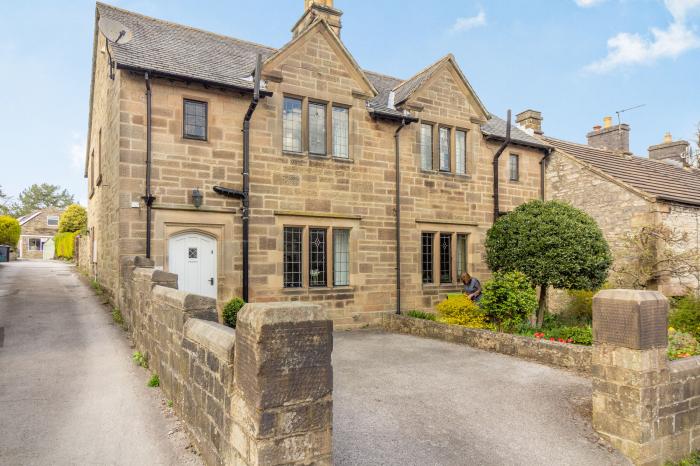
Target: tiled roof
[[659, 179], [182, 51], [496, 127]]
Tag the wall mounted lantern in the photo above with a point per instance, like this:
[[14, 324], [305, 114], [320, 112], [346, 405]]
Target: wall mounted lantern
[[197, 197]]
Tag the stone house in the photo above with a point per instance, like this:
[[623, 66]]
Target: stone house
[[292, 196], [624, 192], [36, 229]]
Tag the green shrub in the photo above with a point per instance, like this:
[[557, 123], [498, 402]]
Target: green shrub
[[65, 244], [140, 359], [154, 381], [681, 345], [508, 299], [686, 315], [421, 315], [9, 230], [117, 317], [579, 307], [73, 219], [230, 313], [460, 310], [576, 335], [691, 460]]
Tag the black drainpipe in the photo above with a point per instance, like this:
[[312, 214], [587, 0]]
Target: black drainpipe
[[397, 140], [245, 194], [547, 153], [148, 197], [497, 155]]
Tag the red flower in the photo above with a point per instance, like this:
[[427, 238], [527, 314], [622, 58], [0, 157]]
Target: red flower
[[552, 339]]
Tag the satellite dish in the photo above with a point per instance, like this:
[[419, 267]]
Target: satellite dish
[[114, 31]]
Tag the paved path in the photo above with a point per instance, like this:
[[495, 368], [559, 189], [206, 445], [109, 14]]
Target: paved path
[[402, 400], [69, 393]]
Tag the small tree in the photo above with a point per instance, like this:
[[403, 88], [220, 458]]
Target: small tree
[[41, 196], [554, 244], [9, 230], [73, 219], [654, 252], [508, 299]]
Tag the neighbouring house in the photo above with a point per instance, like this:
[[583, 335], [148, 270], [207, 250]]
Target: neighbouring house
[[294, 196], [37, 228], [623, 192]]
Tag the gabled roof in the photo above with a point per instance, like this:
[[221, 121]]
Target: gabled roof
[[495, 128], [25, 218], [659, 179]]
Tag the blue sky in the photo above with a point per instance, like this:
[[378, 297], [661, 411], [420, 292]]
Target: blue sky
[[574, 60]]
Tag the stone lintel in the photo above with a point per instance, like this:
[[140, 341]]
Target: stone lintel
[[634, 319]]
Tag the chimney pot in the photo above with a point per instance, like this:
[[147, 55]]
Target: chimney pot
[[607, 122], [668, 138], [597, 128]]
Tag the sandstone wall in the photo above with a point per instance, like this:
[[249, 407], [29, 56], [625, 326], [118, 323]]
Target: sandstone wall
[[684, 220], [260, 395]]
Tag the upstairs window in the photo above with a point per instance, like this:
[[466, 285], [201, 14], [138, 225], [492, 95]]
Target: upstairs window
[[291, 125], [195, 120], [444, 149], [317, 128], [461, 152], [341, 130], [514, 167], [427, 257], [52, 220], [426, 146]]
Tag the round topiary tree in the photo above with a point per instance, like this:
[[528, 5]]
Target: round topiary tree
[[554, 244], [9, 230], [74, 218]]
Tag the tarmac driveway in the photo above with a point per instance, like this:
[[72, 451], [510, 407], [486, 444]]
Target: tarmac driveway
[[403, 400]]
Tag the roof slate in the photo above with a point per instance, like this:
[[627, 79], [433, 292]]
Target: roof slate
[[496, 127], [659, 179]]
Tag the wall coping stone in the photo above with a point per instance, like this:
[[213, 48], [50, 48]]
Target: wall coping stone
[[258, 315], [680, 367], [213, 336], [155, 275], [188, 302]]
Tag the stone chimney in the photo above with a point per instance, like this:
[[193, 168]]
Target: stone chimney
[[670, 151], [314, 9], [616, 138], [530, 119]]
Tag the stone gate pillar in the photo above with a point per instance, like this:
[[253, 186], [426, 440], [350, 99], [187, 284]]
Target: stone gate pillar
[[283, 383], [629, 366]]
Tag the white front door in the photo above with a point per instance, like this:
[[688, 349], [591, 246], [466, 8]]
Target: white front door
[[192, 257]]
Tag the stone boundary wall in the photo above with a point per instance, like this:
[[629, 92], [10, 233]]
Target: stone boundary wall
[[563, 355], [645, 405], [258, 395], [81, 253]]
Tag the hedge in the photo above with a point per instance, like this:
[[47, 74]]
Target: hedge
[[9, 230], [65, 243]]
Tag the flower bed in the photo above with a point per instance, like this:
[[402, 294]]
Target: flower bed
[[553, 353]]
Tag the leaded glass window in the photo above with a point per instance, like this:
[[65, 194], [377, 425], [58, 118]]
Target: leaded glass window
[[514, 167], [317, 128], [426, 146], [461, 152], [445, 258], [461, 254], [195, 120], [427, 257], [341, 132], [317, 257], [291, 125], [341, 257], [292, 257], [192, 253], [445, 149]]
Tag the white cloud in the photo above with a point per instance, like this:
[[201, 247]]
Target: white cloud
[[76, 151], [588, 3], [626, 48], [471, 22]]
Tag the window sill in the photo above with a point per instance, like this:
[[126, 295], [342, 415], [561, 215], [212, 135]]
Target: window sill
[[188, 138], [461, 176], [440, 286], [294, 154], [320, 289]]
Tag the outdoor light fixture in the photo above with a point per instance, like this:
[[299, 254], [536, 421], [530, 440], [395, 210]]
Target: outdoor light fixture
[[197, 197]]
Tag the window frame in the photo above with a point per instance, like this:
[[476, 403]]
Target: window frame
[[288, 284], [335, 266], [315, 283], [461, 238], [447, 169], [464, 157], [424, 279], [195, 137], [445, 273], [49, 217], [421, 137], [323, 105], [346, 110], [35, 240], [514, 166], [301, 101]]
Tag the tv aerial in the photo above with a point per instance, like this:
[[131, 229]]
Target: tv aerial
[[115, 33]]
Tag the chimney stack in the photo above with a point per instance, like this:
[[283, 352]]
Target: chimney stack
[[530, 119], [610, 137], [670, 151], [314, 9]]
